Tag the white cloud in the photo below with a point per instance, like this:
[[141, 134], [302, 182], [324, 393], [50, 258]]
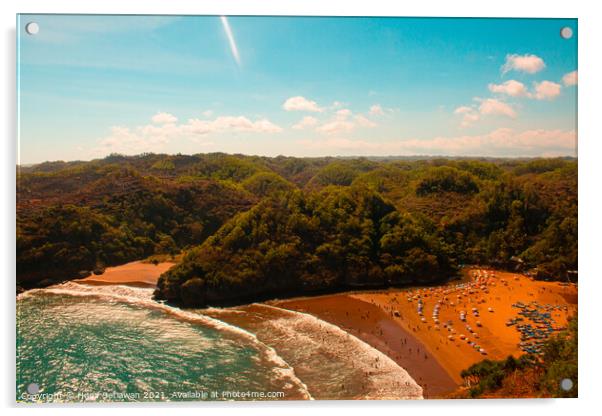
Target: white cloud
[[207, 113], [511, 87], [503, 141], [500, 142], [345, 121], [469, 115], [546, 90], [343, 113], [469, 119], [376, 110], [525, 63], [463, 110], [336, 126], [230, 123], [164, 118], [265, 126], [491, 106], [364, 121], [141, 139], [155, 137], [570, 79], [307, 121], [299, 103], [487, 107]]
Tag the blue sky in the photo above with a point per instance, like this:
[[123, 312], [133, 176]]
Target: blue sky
[[93, 85]]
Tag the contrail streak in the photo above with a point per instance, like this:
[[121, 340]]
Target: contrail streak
[[231, 40]]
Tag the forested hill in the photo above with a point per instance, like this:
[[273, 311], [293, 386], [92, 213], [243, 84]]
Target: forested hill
[[255, 227]]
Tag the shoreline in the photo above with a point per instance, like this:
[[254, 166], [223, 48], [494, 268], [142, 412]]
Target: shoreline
[[389, 322], [373, 326], [139, 274]]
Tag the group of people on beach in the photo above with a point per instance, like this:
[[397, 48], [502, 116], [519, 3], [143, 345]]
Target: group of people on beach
[[463, 295]]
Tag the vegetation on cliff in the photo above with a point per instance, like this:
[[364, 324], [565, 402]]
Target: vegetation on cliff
[[296, 243], [256, 227]]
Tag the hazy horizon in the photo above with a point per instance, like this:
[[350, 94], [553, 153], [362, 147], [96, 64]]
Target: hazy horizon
[[369, 157]]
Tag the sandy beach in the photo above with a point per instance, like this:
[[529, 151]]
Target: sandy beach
[[373, 325], [432, 332], [136, 273], [435, 347]]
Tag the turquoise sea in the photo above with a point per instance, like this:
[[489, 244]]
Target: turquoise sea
[[79, 343]]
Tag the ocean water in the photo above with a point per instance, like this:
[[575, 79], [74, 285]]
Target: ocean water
[[331, 362], [114, 343]]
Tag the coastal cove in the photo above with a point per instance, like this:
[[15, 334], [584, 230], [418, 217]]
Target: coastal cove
[[88, 304], [371, 344]]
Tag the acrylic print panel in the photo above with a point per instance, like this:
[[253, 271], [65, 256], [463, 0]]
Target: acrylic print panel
[[288, 208]]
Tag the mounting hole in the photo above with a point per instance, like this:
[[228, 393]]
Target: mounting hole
[[566, 32], [566, 384], [32, 28], [33, 388]]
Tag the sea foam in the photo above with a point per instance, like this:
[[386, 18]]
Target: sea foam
[[387, 379], [143, 297], [332, 362]]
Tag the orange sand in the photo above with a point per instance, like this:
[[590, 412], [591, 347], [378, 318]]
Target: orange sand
[[372, 325], [497, 339], [135, 273], [389, 322]]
